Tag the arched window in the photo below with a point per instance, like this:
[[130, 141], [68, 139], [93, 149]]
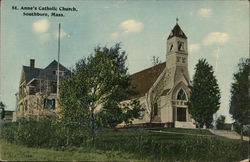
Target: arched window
[[180, 46], [155, 109], [181, 95]]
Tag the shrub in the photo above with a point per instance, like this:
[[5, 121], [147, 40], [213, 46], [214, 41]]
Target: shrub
[[171, 147], [245, 130], [44, 132], [144, 144], [220, 122]]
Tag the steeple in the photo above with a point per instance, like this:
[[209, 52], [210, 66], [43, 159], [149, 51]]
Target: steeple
[[177, 32], [177, 48]]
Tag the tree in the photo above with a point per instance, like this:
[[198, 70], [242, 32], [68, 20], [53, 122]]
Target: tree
[[2, 109], [240, 93], [205, 94], [94, 94], [220, 122]]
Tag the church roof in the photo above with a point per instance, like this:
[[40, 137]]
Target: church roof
[[142, 81], [177, 32]]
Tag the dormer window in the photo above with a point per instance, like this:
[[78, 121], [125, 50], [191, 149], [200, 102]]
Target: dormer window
[[61, 73]]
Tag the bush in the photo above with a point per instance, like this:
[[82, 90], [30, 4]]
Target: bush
[[44, 132], [8, 131], [245, 129], [220, 122], [172, 147], [144, 144]]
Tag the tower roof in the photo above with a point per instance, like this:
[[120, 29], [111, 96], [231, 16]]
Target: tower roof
[[177, 32]]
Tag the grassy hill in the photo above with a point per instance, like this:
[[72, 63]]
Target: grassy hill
[[134, 144], [173, 144], [13, 152]]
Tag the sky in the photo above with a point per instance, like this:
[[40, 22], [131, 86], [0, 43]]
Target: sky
[[217, 31]]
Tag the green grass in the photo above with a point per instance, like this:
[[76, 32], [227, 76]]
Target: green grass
[[151, 145], [173, 144], [12, 152]]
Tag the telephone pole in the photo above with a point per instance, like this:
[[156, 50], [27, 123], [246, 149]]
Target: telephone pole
[[58, 63]]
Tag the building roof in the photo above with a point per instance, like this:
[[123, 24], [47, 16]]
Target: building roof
[[30, 73], [142, 81], [46, 73], [177, 32]]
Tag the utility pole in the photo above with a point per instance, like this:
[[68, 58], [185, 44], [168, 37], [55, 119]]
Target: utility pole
[[58, 63]]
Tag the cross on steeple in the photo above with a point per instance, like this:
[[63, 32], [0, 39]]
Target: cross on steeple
[[177, 20]]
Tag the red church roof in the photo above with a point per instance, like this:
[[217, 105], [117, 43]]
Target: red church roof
[[142, 81]]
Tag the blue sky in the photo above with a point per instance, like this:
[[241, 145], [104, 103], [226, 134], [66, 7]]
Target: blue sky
[[216, 30]]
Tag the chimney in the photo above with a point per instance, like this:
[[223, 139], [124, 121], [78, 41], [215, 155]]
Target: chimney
[[32, 63]]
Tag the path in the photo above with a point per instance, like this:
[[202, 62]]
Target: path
[[228, 134], [191, 134]]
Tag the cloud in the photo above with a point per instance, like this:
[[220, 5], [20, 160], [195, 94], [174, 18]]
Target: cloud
[[216, 38], [62, 34], [114, 35], [44, 36], [193, 48], [205, 12], [127, 27], [41, 26], [131, 26]]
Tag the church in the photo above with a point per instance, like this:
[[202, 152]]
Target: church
[[164, 90]]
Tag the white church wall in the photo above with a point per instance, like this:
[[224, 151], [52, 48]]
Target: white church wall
[[166, 109], [163, 108]]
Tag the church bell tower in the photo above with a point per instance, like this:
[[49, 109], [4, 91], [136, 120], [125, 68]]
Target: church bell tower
[[177, 69], [177, 51], [177, 56]]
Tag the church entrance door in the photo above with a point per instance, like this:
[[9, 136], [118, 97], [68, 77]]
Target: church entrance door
[[181, 114]]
